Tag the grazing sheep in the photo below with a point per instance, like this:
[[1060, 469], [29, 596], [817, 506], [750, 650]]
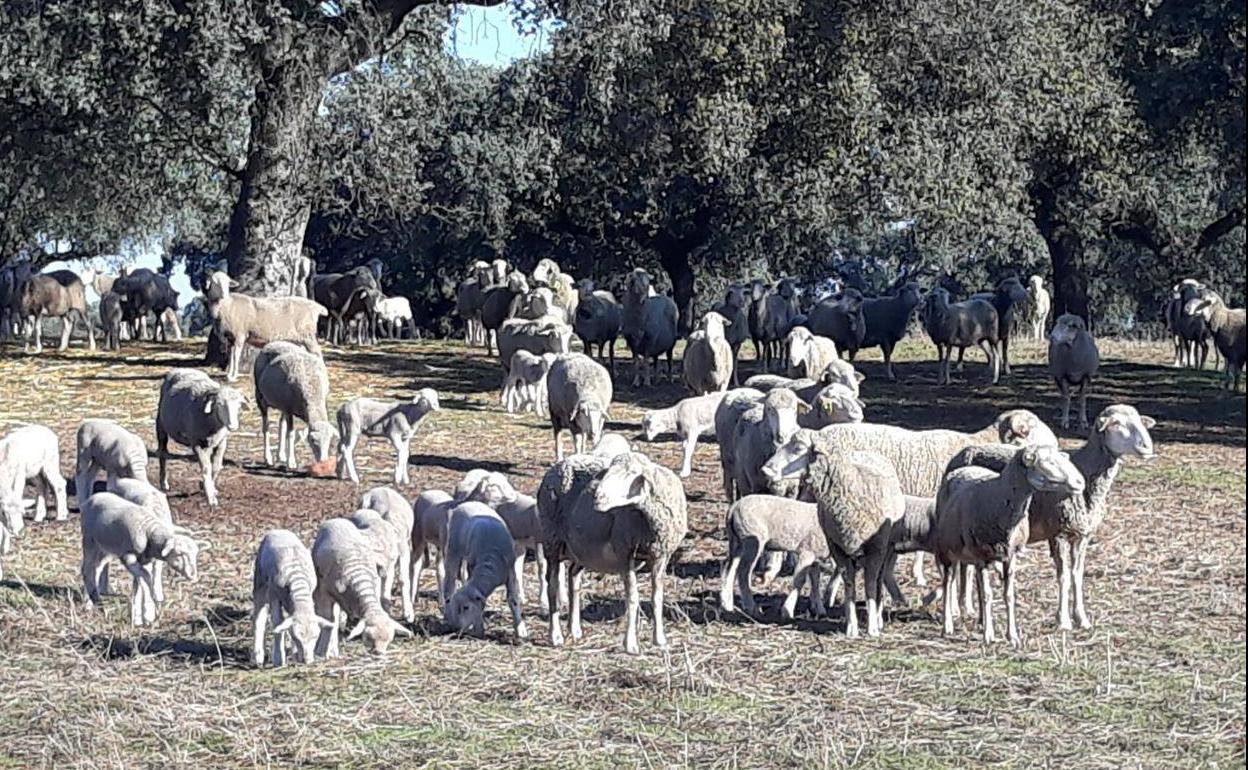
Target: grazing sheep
[[110, 319], [43, 295], [535, 336], [840, 319], [478, 537], [579, 392], [688, 419], [771, 315], [757, 435], [347, 581], [707, 362], [832, 405], [758, 523], [143, 494], [981, 520], [1229, 334], [113, 526], [523, 522], [735, 308], [597, 321], [859, 496], [1073, 360], [295, 383], [613, 518], [200, 414], [282, 585], [394, 420], [104, 445], [734, 404], [524, 389], [388, 544], [396, 510], [809, 354], [244, 320], [430, 510], [1068, 521], [886, 320], [32, 454], [961, 325], [1038, 307], [394, 313], [649, 325], [469, 296]]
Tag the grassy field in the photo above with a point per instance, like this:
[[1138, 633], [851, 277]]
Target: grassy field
[[1159, 682]]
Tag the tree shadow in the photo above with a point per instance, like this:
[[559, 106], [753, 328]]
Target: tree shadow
[[180, 650], [460, 464]]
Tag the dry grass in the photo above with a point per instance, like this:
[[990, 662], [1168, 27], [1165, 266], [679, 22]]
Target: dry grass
[[1159, 682]]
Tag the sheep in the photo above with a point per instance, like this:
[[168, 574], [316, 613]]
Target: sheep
[[731, 407], [981, 519], [1073, 360], [104, 445], [735, 308], [283, 582], [610, 517], [1191, 332], [11, 523], [1229, 334], [840, 318], [31, 453], [886, 320], [110, 319], [833, 404], [597, 320], [1008, 293], [347, 581], [758, 523], [140, 492], [243, 319], [770, 316], [477, 536], [394, 420], [295, 383], [302, 274], [1068, 521], [838, 372], [469, 296], [113, 526], [524, 388], [858, 496], [498, 304], [429, 510], [535, 336], [649, 325], [346, 295], [145, 291], [757, 435], [961, 325], [1038, 306], [43, 295], [808, 354], [523, 522], [396, 510], [707, 362], [388, 543], [689, 419], [197, 413], [579, 392], [393, 313]]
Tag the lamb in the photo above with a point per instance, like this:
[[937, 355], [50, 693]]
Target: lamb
[[1073, 360], [771, 315], [708, 360], [110, 319], [734, 404], [840, 319], [469, 296], [535, 336], [197, 413], [523, 522], [886, 320], [858, 496], [31, 453], [149, 498], [347, 581], [757, 435], [430, 510], [1038, 306], [282, 584], [649, 325], [981, 519], [524, 388], [394, 313], [243, 319], [295, 383], [617, 517], [396, 510], [113, 526], [962, 325], [388, 543], [735, 309], [579, 392], [477, 536], [394, 420], [43, 295], [1068, 521], [689, 419], [758, 523], [809, 354], [1229, 333], [597, 321], [104, 445]]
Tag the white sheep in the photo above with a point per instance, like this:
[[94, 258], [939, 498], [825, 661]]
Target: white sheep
[[243, 319], [143, 494], [295, 383], [104, 445], [31, 454], [388, 545], [395, 312], [579, 393], [347, 581], [282, 584], [394, 420], [809, 354], [689, 419], [707, 361], [524, 387], [396, 510], [198, 413], [758, 523], [478, 537]]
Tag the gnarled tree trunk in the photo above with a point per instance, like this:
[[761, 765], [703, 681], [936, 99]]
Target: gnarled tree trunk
[[1065, 246]]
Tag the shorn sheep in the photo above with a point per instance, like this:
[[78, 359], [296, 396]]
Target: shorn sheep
[[961, 325], [1229, 333], [347, 582], [31, 454], [579, 393], [1073, 361], [104, 445], [44, 295], [198, 413], [394, 420], [707, 362], [296, 384], [244, 320], [523, 521], [282, 584], [478, 537]]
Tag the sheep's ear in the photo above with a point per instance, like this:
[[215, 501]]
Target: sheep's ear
[[1147, 422], [359, 629], [164, 552], [1103, 422], [284, 625], [209, 404], [859, 376]]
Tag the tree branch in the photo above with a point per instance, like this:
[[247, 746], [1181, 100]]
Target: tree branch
[[1220, 227]]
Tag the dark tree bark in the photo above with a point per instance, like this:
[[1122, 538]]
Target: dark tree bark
[[1065, 253], [676, 264]]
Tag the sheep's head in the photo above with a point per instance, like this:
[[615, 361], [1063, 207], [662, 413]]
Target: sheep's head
[[611, 445], [540, 301], [839, 404], [494, 490], [378, 630], [472, 479], [938, 297], [545, 271], [787, 288], [427, 399], [626, 481], [321, 438], [589, 417], [799, 341], [1036, 283], [517, 283], [851, 300], [651, 426], [1187, 288], [585, 288], [790, 461], [11, 513], [780, 409], [226, 405], [498, 271], [1124, 431], [758, 290], [1203, 305], [910, 294], [480, 270], [639, 284], [1049, 469], [218, 285], [1021, 427], [736, 296], [714, 324], [304, 629], [1012, 288], [842, 372], [1066, 329], [181, 553], [466, 610]]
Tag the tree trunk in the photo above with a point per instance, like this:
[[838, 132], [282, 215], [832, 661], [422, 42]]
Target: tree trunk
[[1070, 285], [676, 264]]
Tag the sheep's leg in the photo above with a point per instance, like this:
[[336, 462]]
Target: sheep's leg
[[949, 594], [259, 616], [517, 569], [558, 444], [887, 349], [158, 580], [836, 583], [611, 353], [889, 578], [162, 455], [264, 429], [728, 575], [279, 640], [817, 607], [983, 591], [966, 573], [658, 570], [514, 600], [691, 443], [1064, 389], [346, 457], [916, 570], [67, 328], [1005, 355], [450, 573], [401, 452], [218, 455], [1011, 601], [804, 562], [539, 560], [1083, 404], [406, 586], [1062, 564], [775, 563], [552, 598], [872, 584], [961, 353], [574, 602], [1078, 555], [851, 612], [205, 466], [92, 564], [38, 322], [632, 607]]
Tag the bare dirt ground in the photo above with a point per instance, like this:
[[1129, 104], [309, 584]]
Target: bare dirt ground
[[1159, 682]]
